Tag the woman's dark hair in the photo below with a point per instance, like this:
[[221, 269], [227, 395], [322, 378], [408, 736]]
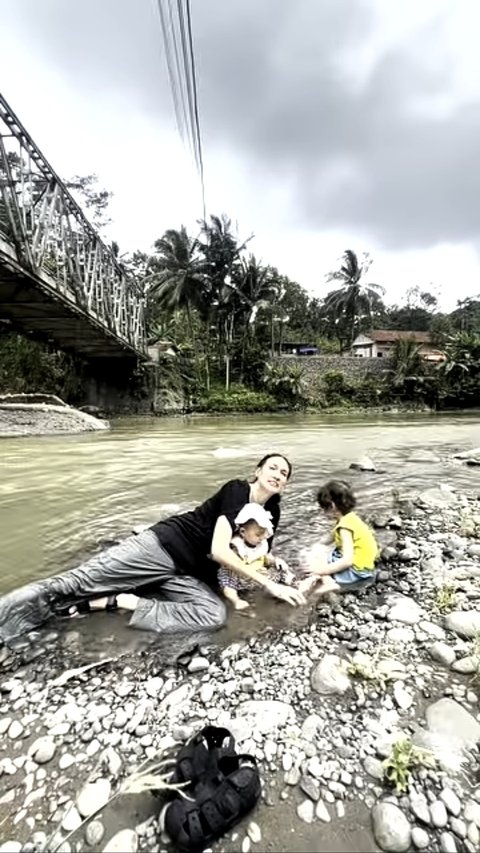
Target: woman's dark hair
[[336, 494], [272, 456]]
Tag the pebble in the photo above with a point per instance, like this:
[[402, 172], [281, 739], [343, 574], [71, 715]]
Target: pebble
[[374, 767], [94, 833], [15, 729], [93, 796], [451, 801], [43, 749], [438, 814], [10, 847], [391, 828], [125, 841], [310, 787], [246, 844], [420, 838], [471, 812], [459, 827], [305, 811], [71, 820], [254, 832], [322, 812], [198, 664], [447, 843]]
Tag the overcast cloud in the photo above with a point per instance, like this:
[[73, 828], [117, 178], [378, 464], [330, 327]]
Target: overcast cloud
[[326, 124]]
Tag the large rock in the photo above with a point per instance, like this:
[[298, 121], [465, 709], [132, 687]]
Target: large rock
[[406, 611], [465, 623], [363, 463], [266, 715], [442, 653], [439, 497], [93, 796], [330, 676], [450, 735], [391, 828]]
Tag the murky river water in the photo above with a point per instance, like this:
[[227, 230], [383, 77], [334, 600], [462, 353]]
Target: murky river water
[[61, 496]]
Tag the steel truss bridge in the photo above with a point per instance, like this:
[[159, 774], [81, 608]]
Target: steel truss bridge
[[57, 277]]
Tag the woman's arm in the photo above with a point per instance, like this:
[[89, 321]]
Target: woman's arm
[[223, 554]]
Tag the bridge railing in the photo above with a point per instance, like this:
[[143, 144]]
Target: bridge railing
[[54, 240]]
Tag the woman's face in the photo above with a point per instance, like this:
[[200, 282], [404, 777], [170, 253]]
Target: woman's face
[[273, 475]]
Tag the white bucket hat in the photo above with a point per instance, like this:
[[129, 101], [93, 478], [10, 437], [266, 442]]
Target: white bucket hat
[[255, 512]]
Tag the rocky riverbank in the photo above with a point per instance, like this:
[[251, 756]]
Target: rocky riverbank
[[386, 683], [43, 414]]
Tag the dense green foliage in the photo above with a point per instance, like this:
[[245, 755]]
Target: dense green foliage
[[226, 314]]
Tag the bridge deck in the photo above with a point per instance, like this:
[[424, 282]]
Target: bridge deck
[[33, 304]]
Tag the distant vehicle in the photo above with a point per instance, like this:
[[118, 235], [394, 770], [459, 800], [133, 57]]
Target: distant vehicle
[[301, 349]]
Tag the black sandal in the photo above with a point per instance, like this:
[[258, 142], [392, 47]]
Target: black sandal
[[226, 795], [202, 754]]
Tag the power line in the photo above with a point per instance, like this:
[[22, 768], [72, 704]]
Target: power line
[[183, 79], [173, 71], [195, 104]]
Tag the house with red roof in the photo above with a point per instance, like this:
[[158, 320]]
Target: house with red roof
[[379, 343]]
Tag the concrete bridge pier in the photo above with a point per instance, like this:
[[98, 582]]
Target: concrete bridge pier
[[117, 386]]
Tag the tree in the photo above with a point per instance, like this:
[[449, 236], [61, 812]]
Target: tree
[[221, 251], [94, 200], [255, 286], [354, 298], [177, 280], [416, 315]]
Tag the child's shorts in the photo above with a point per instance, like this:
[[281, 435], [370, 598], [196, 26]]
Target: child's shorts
[[349, 576]]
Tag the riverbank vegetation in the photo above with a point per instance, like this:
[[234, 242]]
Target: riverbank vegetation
[[223, 316]]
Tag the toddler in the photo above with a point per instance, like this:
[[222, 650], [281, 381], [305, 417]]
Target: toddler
[[352, 560], [253, 529]]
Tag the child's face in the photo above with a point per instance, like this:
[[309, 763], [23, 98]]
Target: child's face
[[253, 534], [331, 512]]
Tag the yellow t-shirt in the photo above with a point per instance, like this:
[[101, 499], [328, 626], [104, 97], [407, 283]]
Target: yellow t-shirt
[[365, 548]]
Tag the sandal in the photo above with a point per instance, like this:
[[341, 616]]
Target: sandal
[[201, 753], [219, 803]]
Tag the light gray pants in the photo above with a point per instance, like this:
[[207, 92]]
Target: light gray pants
[[178, 603]]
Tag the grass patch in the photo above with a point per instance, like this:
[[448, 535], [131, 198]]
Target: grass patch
[[445, 598]]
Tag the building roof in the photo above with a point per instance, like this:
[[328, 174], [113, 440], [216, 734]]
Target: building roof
[[386, 336]]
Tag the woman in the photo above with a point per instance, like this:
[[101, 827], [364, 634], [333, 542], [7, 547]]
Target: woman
[[174, 565]]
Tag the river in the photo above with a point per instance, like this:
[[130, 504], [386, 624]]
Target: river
[[62, 496]]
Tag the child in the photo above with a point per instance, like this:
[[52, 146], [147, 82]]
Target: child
[[254, 528], [352, 560]]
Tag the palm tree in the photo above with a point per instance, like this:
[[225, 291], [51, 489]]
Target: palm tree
[[177, 281], [408, 367], [255, 287], [353, 296], [221, 251]]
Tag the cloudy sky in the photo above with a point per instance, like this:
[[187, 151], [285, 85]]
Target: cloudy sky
[[326, 124]]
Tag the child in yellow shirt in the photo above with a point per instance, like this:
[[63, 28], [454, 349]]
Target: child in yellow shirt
[[352, 561]]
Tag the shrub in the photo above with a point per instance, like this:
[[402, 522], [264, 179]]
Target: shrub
[[338, 389], [237, 399]]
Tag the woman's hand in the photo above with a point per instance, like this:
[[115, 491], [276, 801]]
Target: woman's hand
[[285, 593]]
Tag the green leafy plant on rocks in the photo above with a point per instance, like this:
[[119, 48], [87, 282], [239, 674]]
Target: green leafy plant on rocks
[[445, 598], [403, 759]]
